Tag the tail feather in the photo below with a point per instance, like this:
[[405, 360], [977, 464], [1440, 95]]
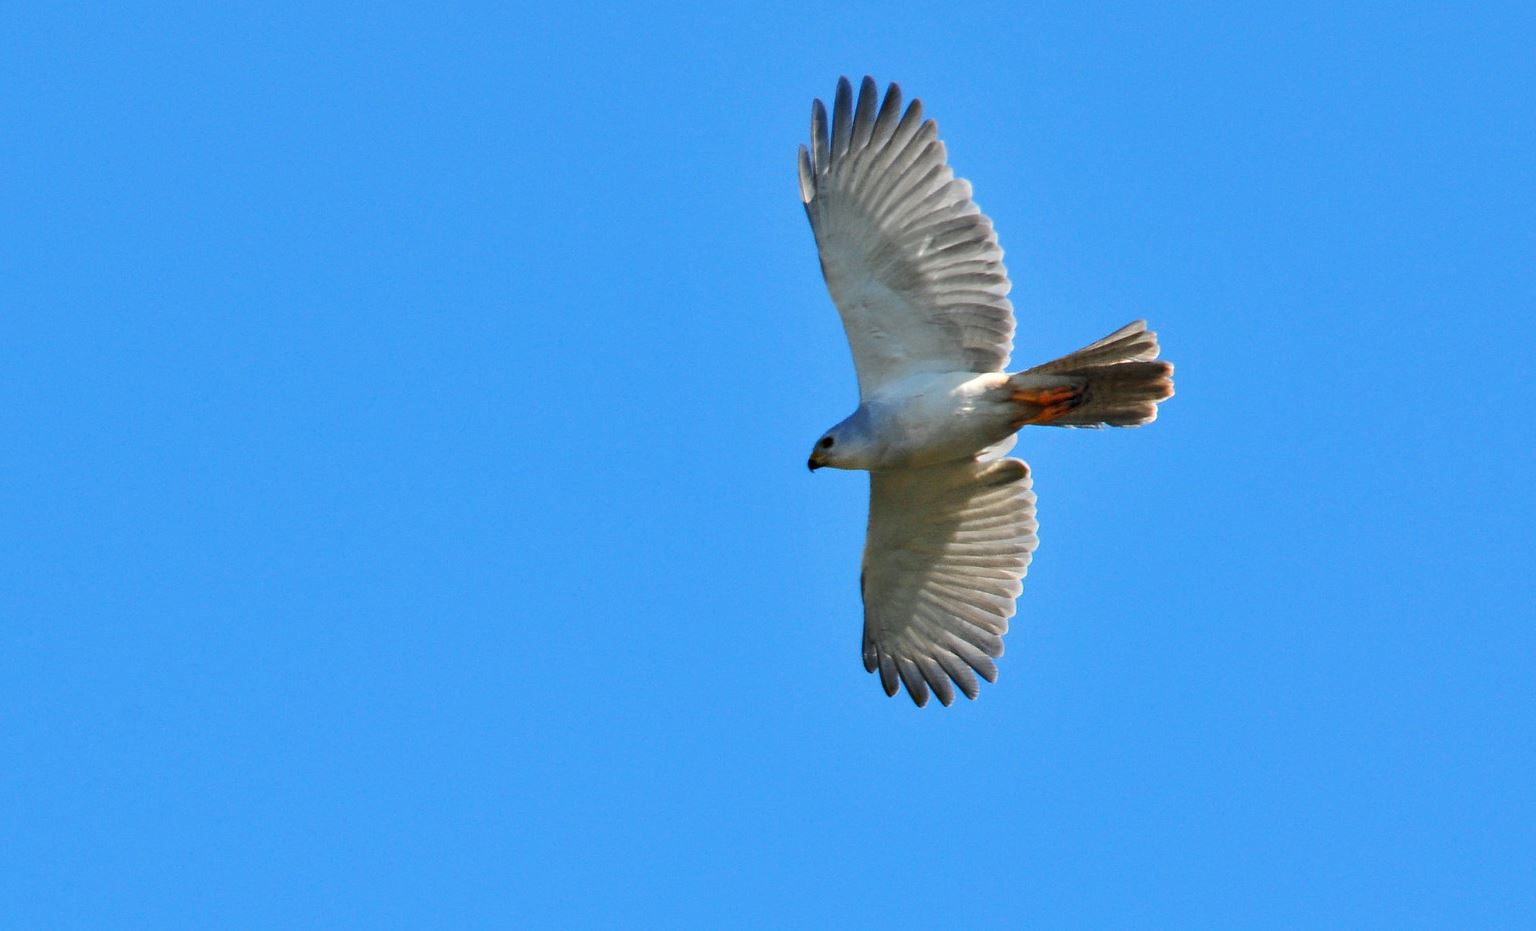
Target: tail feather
[[1131, 343], [1121, 384]]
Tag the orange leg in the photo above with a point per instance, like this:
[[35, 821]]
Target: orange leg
[[1053, 403]]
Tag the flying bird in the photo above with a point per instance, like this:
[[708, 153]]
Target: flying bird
[[917, 276]]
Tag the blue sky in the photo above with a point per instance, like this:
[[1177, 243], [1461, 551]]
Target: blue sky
[[405, 519]]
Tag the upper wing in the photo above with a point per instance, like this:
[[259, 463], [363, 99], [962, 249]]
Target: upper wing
[[912, 263], [945, 558]]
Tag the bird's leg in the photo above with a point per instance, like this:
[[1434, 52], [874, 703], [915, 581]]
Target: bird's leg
[[1052, 403]]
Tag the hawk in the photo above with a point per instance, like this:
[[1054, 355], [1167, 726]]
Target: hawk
[[917, 276]]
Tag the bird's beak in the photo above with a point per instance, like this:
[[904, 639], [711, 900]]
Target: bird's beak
[[812, 464]]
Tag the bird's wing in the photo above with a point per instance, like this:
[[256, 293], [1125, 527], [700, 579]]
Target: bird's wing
[[944, 559], [913, 265]]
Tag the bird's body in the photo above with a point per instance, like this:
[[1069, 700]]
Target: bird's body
[[917, 276], [926, 418]]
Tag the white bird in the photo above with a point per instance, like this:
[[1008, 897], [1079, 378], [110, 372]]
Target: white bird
[[917, 276]]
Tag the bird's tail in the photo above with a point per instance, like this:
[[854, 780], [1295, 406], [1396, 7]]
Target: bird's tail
[[1117, 382]]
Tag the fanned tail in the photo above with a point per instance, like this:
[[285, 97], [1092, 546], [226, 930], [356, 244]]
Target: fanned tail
[[1117, 381]]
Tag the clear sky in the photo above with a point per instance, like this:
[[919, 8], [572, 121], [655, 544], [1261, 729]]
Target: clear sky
[[404, 519]]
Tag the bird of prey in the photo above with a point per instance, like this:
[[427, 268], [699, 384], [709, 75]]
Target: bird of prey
[[917, 276]]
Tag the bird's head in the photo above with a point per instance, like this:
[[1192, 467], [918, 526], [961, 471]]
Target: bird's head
[[845, 446], [823, 453]]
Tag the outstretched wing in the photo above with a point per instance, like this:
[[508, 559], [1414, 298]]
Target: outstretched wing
[[913, 265], [944, 559]]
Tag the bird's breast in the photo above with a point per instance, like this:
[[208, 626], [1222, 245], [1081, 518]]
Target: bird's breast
[[940, 417]]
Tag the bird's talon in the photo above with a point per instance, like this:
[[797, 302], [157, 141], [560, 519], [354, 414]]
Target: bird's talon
[[1048, 397], [1054, 403]]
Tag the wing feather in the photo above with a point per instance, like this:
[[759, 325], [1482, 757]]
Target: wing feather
[[912, 264], [946, 553]]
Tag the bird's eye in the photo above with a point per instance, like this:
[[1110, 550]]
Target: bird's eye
[[826, 442]]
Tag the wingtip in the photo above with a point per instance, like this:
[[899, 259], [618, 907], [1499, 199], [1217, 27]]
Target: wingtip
[[820, 135], [807, 176], [842, 117]]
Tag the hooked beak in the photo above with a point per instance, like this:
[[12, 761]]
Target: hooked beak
[[812, 464]]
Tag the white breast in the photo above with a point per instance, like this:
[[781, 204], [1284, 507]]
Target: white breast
[[937, 417]]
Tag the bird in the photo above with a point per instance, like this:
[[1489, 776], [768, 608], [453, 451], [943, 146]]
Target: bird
[[917, 276]]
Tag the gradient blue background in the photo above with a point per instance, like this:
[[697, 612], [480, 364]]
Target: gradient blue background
[[404, 519]]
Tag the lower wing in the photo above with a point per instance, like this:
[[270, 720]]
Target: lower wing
[[944, 560]]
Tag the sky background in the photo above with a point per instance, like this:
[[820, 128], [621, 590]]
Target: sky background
[[403, 510]]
